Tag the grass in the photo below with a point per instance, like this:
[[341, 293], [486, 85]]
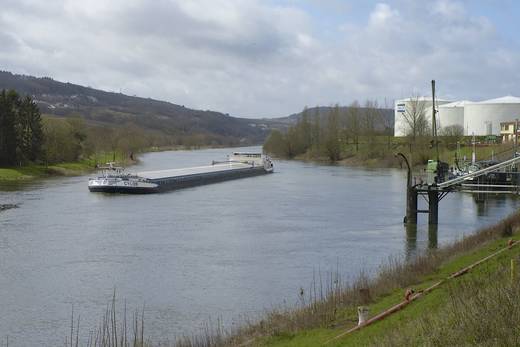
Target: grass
[[34, 171], [30, 172], [479, 309]]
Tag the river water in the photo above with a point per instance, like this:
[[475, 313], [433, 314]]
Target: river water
[[210, 252]]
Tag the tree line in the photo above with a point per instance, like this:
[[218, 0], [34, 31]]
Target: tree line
[[21, 131], [327, 135], [27, 137]]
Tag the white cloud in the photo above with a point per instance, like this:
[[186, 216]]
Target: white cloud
[[256, 58], [383, 14]]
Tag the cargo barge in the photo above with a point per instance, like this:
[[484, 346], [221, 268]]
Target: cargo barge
[[115, 180]]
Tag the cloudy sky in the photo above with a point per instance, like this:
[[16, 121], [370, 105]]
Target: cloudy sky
[[266, 58]]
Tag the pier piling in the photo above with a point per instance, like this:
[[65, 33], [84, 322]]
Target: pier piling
[[411, 205], [433, 207]]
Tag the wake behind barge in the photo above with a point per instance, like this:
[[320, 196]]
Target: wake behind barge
[[116, 180]]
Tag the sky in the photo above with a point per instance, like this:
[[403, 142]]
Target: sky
[[268, 58]]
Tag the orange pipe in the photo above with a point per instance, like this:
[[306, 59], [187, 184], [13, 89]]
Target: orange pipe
[[404, 303]]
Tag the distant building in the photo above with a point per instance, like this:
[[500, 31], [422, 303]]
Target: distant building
[[507, 131], [479, 118]]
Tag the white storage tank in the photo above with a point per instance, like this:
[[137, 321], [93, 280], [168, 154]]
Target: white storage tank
[[451, 114], [404, 105], [484, 118]]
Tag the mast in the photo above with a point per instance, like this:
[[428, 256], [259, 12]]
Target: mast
[[434, 124]]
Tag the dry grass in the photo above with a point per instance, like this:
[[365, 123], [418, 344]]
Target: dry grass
[[113, 331], [480, 311]]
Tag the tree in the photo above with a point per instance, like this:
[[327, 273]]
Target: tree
[[332, 140], [30, 133], [316, 131], [370, 118], [455, 131], [414, 117], [354, 123], [78, 136], [276, 144], [452, 134], [8, 130], [21, 135], [305, 131]]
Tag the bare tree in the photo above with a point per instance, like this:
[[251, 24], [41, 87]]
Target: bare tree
[[414, 117], [371, 116], [354, 122], [456, 131], [387, 123], [332, 139]]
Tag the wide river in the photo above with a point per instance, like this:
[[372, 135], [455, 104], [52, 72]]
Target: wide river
[[212, 252]]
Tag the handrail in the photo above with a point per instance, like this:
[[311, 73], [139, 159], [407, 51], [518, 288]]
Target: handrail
[[477, 173]]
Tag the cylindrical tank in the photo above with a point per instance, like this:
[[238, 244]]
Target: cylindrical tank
[[484, 118], [451, 114]]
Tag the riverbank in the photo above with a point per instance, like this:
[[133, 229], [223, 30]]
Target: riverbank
[[35, 171], [477, 301], [383, 156], [31, 172]]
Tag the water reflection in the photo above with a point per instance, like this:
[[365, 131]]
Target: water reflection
[[484, 202], [433, 236], [411, 241]]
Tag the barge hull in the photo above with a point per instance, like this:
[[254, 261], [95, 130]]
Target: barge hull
[[173, 183], [123, 190]]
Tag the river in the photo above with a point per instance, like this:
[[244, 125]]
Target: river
[[211, 252]]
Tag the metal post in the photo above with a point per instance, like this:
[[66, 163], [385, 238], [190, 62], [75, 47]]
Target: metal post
[[433, 207], [515, 133], [411, 205], [474, 154], [411, 194], [432, 236], [411, 240], [434, 125]]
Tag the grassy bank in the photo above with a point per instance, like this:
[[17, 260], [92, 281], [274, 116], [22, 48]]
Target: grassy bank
[[34, 171], [453, 314], [38, 171]]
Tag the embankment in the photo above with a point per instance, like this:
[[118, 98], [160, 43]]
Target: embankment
[[477, 308]]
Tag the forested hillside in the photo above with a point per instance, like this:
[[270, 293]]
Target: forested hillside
[[163, 123]]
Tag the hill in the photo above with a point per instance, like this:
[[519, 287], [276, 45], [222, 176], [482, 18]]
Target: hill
[[110, 109]]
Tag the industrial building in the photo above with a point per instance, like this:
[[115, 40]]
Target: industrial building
[[476, 118]]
